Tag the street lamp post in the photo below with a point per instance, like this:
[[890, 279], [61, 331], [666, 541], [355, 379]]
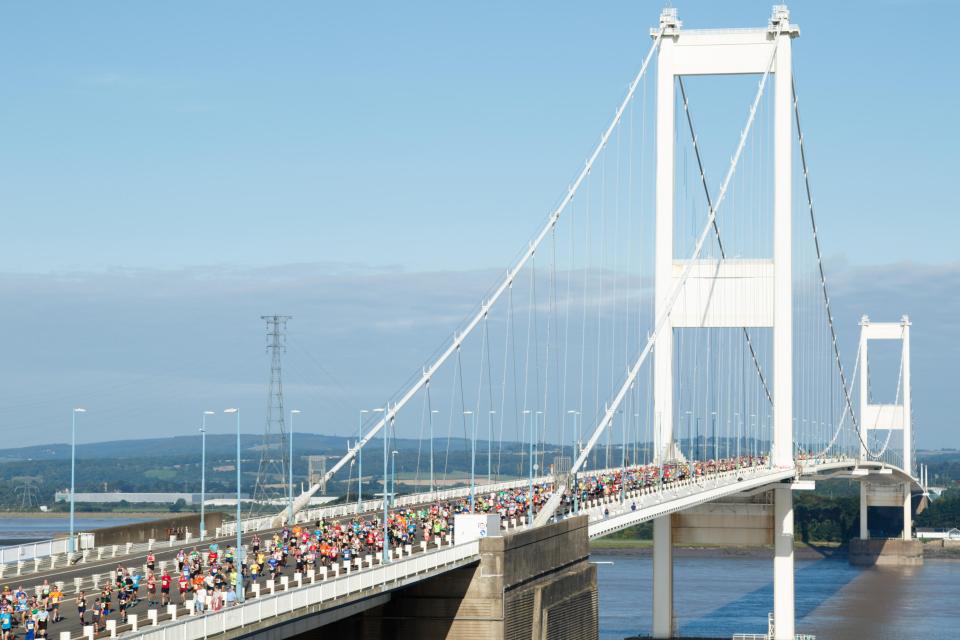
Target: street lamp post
[[386, 514], [738, 425], [490, 447], [73, 476], [576, 438], [527, 412], [576, 456], [293, 412], [360, 460], [203, 474], [432, 486], [636, 439], [716, 443], [700, 434], [238, 559], [393, 478], [360, 455], [623, 460], [473, 459]]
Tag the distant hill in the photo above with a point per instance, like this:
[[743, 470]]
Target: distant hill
[[218, 445]]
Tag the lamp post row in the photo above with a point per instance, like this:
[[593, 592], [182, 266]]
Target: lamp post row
[[71, 542]]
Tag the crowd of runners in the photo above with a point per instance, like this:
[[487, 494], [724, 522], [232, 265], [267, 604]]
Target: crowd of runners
[[207, 577], [30, 612]]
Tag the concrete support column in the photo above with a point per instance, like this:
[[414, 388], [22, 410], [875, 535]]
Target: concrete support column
[[783, 604], [662, 577], [782, 449], [864, 525], [905, 401], [864, 395], [907, 513], [663, 250]]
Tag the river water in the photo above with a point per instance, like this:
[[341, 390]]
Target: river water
[[718, 596], [15, 531]]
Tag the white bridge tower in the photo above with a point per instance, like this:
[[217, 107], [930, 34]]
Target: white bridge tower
[[886, 417], [768, 281]]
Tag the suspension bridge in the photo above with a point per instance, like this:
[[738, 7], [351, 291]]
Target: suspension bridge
[[669, 326]]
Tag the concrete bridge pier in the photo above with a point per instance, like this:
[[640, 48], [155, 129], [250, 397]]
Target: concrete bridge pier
[[783, 595], [907, 513], [536, 584], [864, 519], [902, 551], [886, 495], [663, 620]]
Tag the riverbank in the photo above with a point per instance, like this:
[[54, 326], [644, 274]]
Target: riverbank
[[98, 515], [933, 550]]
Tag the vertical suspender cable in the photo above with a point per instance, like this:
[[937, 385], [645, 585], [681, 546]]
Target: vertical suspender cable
[[429, 371]]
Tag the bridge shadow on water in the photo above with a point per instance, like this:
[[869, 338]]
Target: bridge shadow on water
[[816, 580]]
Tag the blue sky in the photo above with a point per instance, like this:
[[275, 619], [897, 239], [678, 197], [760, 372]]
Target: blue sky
[[166, 168]]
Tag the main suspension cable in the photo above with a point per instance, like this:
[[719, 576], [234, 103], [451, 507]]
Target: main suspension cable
[[511, 275]]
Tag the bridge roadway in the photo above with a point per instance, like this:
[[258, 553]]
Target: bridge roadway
[[609, 515], [32, 567], [606, 515], [165, 553], [165, 556], [263, 524], [68, 609]]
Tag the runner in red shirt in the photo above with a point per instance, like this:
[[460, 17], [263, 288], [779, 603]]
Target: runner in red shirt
[[151, 588], [165, 581], [182, 583]]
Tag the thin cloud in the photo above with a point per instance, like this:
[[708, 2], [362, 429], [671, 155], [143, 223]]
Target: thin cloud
[[178, 341]]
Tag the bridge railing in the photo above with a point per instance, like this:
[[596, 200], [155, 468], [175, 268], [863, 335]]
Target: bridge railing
[[47, 557], [19, 560], [600, 513], [265, 607], [347, 509], [31, 550]]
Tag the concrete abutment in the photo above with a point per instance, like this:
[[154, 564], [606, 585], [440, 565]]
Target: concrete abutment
[[534, 584]]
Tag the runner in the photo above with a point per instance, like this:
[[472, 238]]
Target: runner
[[42, 617], [104, 612], [55, 597], [136, 588], [182, 583], [165, 581], [97, 610], [151, 589], [6, 623], [31, 629], [199, 596]]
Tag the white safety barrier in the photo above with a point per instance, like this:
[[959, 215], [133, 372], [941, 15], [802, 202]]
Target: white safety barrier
[[49, 550], [608, 514], [271, 606], [31, 550]]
